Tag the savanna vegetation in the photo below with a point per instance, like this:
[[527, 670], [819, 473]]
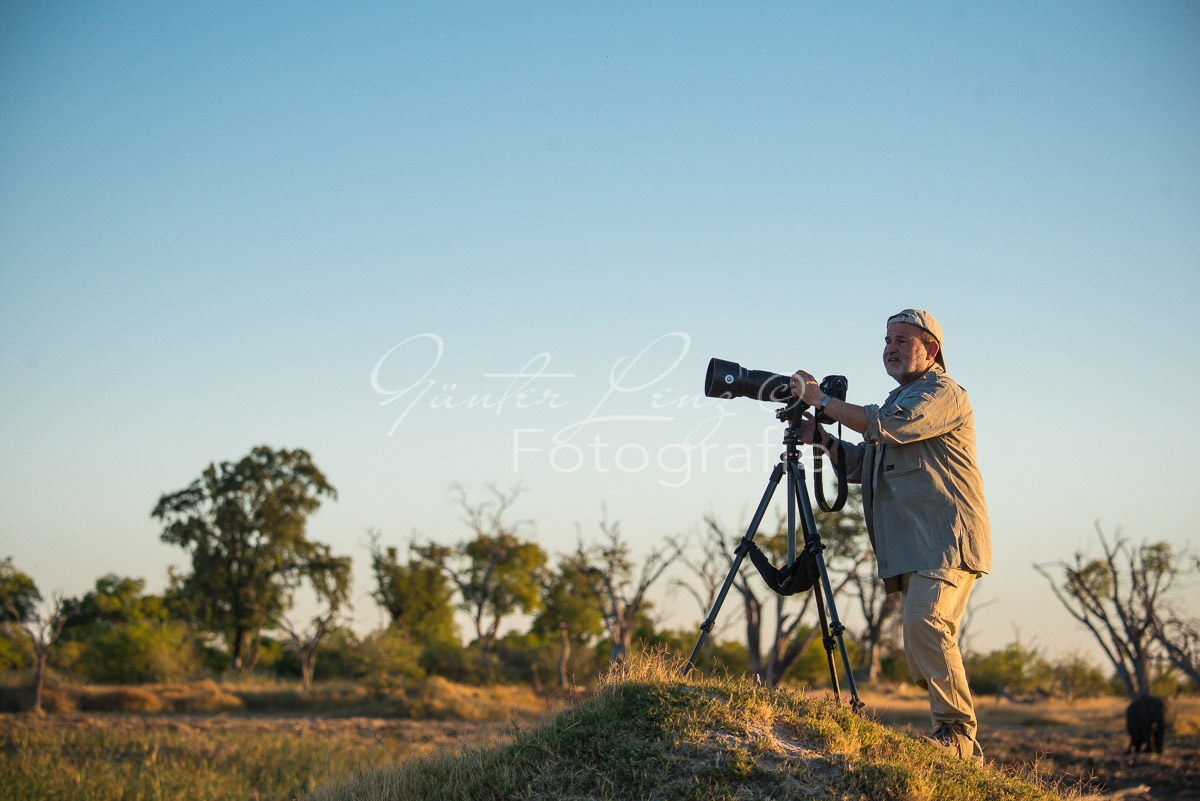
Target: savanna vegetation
[[225, 683]]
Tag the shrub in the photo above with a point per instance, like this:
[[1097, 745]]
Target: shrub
[[1014, 668], [134, 700], [386, 659]]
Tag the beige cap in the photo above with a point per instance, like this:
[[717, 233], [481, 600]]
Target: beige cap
[[922, 319]]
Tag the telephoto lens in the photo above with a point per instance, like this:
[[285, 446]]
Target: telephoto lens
[[731, 380]]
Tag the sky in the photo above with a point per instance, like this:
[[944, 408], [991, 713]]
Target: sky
[[497, 244]]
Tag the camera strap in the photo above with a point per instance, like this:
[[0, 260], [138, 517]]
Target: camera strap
[[839, 470]]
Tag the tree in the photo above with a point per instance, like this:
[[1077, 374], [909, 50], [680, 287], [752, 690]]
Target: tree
[[1179, 638], [332, 589], [307, 642], [126, 635], [417, 595], [709, 570], [879, 608], [19, 596], [244, 525], [570, 609], [621, 596], [847, 552], [1117, 599], [496, 572]]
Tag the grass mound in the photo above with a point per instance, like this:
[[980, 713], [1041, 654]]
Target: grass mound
[[649, 734]]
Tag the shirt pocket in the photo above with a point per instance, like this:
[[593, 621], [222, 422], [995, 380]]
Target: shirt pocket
[[902, 462]]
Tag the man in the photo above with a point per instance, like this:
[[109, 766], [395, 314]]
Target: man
[[925, 512]]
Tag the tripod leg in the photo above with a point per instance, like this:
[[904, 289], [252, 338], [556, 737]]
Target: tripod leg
[[827, 640], [812, 541], [739, 554]]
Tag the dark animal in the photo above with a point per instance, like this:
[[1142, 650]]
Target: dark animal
[[1147, 720]]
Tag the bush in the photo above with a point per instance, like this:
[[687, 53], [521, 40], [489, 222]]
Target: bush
[[58, 702], [1076, 676], [16, 653], [201, 696], [133, 700], [1015, 668], [135, 652], [445, 657], [387, 659]]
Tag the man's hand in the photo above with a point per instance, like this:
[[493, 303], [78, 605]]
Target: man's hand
[[808, 425], [806, 388]]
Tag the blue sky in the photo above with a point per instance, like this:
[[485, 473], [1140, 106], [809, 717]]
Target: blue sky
[[233, 224]]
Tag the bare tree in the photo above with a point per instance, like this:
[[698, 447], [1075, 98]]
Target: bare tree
[[621, 591], [845, 554], [496, 573], [43, 630], [965, 629], [879, 609], [709, 568], [1117, 599], [308, 641], [1179, 636]]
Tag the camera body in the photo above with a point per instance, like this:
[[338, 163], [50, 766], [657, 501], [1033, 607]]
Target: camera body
[[731, 380], [835, 387]]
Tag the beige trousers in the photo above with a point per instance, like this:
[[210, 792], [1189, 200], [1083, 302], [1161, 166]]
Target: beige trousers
[[933, 604]]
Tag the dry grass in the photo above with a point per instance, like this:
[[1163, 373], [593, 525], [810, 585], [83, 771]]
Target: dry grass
[[1079, 744], [647, 733], [435, 698], [644, 733], [203, 757]]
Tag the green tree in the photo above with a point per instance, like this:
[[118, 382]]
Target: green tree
[[126, 635], [244, 526], [570, 610], [113, 600], [19, 595], [497, 573], [417, 595]]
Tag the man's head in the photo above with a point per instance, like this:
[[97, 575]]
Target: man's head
[[912, 345]]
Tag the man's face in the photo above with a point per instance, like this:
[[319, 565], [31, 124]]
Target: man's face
[[905, 356]]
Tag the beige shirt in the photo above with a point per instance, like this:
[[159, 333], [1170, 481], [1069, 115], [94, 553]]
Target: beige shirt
[[922, 492]]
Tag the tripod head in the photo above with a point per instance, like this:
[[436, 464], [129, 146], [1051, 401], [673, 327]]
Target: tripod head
[[792, 414]]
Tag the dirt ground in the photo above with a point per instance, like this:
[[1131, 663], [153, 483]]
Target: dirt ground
[[1080, 745]]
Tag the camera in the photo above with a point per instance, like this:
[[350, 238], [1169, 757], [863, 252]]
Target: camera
[[731, 380]]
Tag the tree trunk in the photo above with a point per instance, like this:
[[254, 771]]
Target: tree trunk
[[308, 664], [783, 658], [238, 646], [872, 666], [622, 643], [39, 677], [753, 614], [564, 656]]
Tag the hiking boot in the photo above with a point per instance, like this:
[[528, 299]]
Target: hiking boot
[[952, 738]]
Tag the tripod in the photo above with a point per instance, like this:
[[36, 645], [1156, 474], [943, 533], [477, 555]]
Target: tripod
[[831, 626]]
